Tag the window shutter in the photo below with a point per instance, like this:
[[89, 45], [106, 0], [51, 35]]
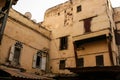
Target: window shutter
[[34, 61], [87, 24], [43, 63], [12, 51]]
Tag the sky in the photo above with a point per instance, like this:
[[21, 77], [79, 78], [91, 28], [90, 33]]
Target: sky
[[38, 7]]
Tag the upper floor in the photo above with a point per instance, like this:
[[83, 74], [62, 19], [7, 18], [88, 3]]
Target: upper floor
[[75, 17]]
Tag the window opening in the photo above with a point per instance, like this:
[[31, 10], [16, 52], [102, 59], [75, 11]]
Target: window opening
[[38, 61], [62, 64], [63, 43], [78, 8], [80, 62], [99, 60], [17, 55]]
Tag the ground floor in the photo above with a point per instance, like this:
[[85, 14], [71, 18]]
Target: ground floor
[[92, 73]]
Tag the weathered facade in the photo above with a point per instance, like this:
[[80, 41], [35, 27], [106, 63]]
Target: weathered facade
[[82, 35], [24, 46]]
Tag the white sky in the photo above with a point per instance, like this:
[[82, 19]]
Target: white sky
[[38, 7]]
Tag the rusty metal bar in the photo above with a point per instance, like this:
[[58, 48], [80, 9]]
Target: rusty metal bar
[[3, 24]]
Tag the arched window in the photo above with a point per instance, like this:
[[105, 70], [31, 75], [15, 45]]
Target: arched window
[[39, 60]]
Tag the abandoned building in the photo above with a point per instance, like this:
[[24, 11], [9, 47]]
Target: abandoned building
[[79, 39]]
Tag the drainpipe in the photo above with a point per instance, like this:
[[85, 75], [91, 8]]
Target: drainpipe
[[109, 40], [75, 53]]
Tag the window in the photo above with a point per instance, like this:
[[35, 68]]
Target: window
[[58, 14], [15, 52], [65, 11], [87, 24], [16, 55], [80, 62], [39, 60], [63, 43], [99, 60], [71, 9], [62, 64], [78, 8]]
